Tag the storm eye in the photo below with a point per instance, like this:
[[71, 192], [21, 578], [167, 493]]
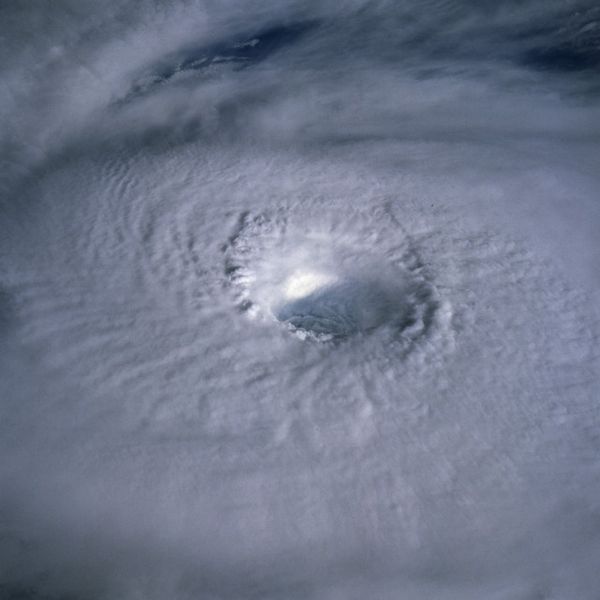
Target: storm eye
[[330, 308], [321, 291], [322, 306]]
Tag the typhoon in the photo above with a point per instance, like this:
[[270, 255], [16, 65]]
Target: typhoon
[[299, 300]]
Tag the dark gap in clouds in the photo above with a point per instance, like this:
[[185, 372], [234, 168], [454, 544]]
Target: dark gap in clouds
[[239, 53], [459, 37], [249, 49], [567, 42], [564, 58]]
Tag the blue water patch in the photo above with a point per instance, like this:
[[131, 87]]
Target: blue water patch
[[563, 58], [568, 42], [246, 50], [237, 54]]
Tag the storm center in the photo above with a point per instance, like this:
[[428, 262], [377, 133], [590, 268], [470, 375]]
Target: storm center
[[327, 307]]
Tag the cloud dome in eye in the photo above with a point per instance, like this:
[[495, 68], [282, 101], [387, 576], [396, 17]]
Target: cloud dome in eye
[[303, 283]]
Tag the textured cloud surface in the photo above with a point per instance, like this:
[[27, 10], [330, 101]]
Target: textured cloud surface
[[298, 300]]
